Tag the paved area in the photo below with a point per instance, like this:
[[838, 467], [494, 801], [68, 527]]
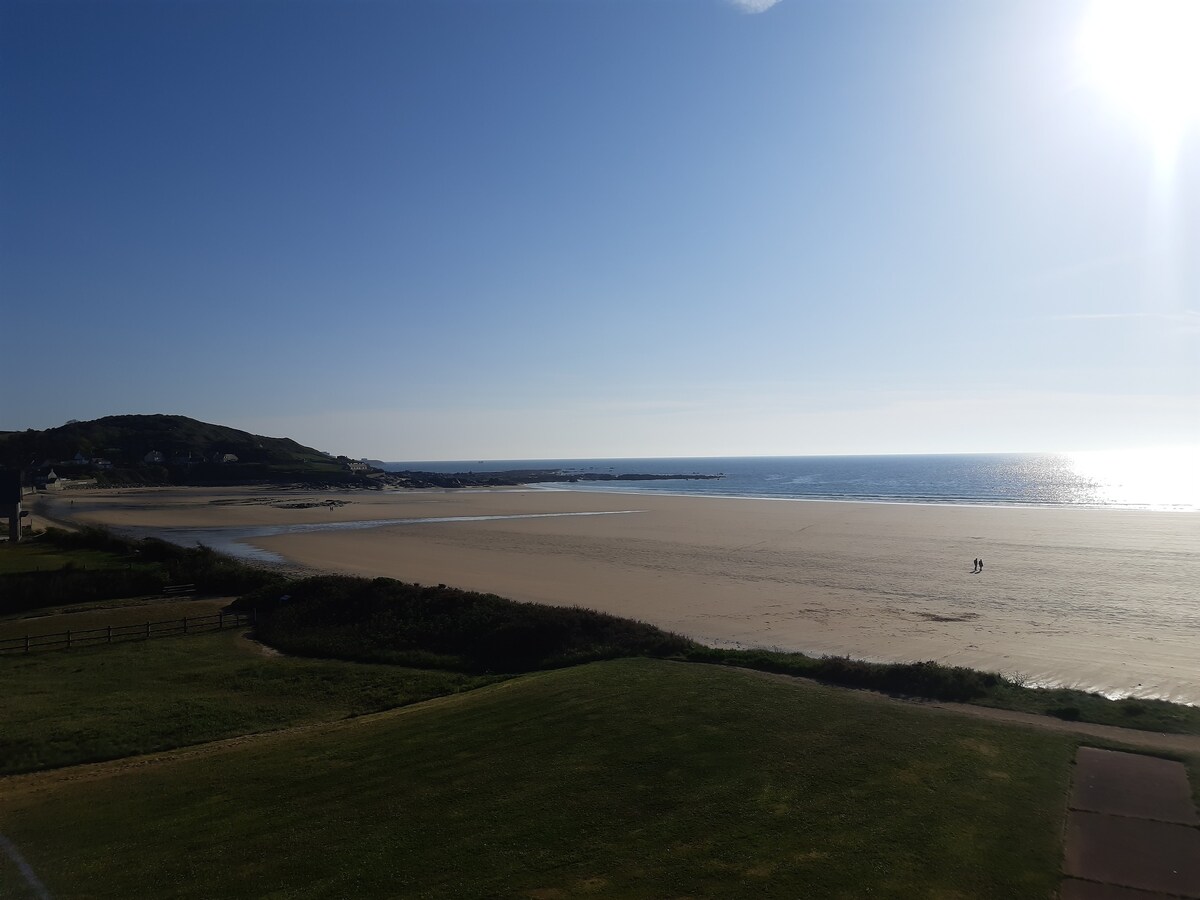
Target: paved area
[[1132, 829]]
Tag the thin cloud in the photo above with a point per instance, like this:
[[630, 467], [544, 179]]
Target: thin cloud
[[753, 6]]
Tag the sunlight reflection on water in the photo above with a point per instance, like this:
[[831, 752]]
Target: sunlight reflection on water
[[1165, 478]]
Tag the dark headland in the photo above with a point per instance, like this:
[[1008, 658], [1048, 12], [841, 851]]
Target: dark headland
[[132, 450]]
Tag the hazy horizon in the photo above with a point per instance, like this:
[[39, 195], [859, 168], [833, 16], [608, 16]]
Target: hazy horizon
[[555, 459]]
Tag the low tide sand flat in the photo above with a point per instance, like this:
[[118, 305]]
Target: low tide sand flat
[[1096, 599]]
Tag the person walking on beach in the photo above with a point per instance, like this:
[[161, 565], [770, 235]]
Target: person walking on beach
[[980, 569], [976, 567]]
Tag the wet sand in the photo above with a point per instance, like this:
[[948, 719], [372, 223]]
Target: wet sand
[[1103, 600]]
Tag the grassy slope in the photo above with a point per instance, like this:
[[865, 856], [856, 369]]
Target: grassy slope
[[628, 778], [98, 614], [40, 556], [66, 707], [964, 685]]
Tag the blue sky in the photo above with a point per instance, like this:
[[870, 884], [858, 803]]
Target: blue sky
[[583, 228]]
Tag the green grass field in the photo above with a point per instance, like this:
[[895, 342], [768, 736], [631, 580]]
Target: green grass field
[[100, 613], [64, 707], [629, 778], [42, 556]]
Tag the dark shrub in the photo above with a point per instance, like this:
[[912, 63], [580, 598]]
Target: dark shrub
[[142, 568], [392, 621]]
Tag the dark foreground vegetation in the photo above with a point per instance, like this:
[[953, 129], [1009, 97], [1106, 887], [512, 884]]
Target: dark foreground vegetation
[[109, 702], [933, 681], [384, 620], [627, 778], [60, 567]]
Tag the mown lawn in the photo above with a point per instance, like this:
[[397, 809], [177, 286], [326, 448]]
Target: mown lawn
[[64, 707], [99, 613], [631, 778], [43, 556]]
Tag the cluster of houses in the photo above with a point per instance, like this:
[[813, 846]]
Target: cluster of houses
[[46, 479], [187, 458]]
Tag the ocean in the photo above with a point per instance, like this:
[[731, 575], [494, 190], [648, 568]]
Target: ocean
[[1159, 480]]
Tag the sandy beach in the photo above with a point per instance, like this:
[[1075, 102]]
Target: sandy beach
[[1102, 600]]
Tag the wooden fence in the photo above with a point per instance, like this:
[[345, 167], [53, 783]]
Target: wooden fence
[[112, 634]]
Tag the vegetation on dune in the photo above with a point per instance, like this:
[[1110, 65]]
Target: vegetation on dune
[[919, 679], [384, 620], [930, 680]]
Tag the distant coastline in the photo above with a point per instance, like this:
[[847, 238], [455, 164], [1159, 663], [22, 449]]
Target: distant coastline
[[1015, 479], [424, 479]]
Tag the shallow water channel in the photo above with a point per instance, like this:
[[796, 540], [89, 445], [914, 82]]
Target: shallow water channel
[[234, 541]]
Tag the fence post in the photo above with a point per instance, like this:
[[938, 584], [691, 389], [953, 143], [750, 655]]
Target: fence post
[[110, 634], [147, 631], [68, 638], [26, 643], [185, 624]]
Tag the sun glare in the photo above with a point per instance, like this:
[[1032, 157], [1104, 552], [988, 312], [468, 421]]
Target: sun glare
[[1145, 56], [1157, 478]]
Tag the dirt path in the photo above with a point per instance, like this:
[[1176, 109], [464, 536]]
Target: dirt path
[[255, 646], [1149, 740]]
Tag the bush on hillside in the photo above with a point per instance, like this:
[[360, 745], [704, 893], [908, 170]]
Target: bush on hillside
[[25, 591], [139, 568], [919, 679], [210, 571], [384, 620]]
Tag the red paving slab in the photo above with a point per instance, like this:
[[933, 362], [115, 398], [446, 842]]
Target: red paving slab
[[1127, 784], [1136, 853], [1074, 889]]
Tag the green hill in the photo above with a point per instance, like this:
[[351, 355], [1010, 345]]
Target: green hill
[[631, 778], [170, 449]]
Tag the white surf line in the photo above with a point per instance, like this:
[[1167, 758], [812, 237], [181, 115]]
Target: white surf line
[[35, 884]]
